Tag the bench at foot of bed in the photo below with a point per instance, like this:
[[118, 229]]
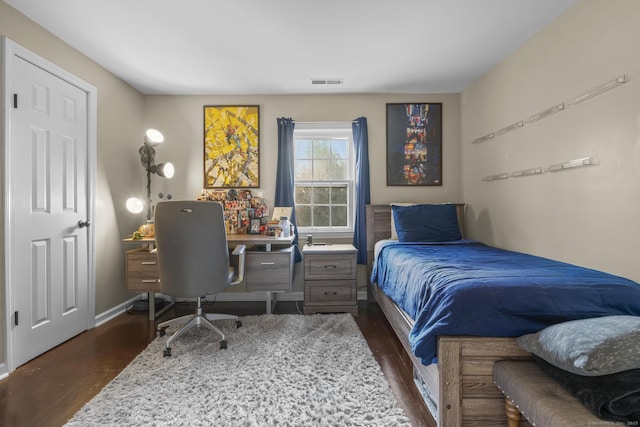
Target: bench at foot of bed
[[531, 393]]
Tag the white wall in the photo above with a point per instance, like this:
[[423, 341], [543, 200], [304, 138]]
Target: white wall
[[586, 216], [180, 118]]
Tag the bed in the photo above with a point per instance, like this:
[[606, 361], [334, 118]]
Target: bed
[[459, 388]]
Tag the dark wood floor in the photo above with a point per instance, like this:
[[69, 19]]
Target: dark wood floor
[[48, 390]]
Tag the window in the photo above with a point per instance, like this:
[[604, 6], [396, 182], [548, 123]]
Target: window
[[324, 177]]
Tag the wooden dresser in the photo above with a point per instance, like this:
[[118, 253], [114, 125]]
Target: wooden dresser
[[330, 279]]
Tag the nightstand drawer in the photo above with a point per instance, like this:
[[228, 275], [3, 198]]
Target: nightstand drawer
[[322, 267], [342, 292], [269, 270]]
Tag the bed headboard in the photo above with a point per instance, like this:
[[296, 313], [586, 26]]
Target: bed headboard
[[378, 219]]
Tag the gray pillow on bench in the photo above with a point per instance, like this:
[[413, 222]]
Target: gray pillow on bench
[[595, 346]]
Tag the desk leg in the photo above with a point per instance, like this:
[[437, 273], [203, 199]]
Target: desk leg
[[269, 299], [272, 300]]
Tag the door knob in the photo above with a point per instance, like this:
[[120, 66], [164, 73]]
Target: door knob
[[83, 224]]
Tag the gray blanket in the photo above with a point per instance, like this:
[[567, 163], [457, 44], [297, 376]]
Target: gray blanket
[[614, 397]]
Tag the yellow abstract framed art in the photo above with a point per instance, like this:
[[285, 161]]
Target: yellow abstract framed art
[[231, 146]]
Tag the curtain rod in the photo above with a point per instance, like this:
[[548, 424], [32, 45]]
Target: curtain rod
[[320, 122]]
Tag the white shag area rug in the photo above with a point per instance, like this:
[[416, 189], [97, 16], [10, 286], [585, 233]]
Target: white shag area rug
[[278, 370]]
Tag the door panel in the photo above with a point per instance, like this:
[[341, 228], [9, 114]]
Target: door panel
[[70, 283], [49, 197], [40, 280]]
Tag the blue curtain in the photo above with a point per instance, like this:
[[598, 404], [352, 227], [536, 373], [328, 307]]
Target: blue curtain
[[363, 194], [284, 174]]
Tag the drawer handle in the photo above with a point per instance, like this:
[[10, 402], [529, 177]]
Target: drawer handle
[[148, 263], [267, 263], [149, 280], [330, 266], [331, 293]]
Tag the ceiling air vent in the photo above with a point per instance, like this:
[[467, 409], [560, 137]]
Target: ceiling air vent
[[327, 81]]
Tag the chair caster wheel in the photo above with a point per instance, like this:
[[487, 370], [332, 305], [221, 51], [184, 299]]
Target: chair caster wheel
[[167, 352], [223, 344], [162, 332], [238, 323]]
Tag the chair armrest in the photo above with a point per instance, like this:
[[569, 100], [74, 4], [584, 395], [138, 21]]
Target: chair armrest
[[239, 251]]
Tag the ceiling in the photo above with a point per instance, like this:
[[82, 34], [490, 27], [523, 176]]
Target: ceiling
[[278, 46]]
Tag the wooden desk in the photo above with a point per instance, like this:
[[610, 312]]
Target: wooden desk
[[268, 267], [235, 239], [258, 240]]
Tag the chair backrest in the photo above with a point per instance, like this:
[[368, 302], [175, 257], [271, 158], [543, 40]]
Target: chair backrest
[[193, 256]]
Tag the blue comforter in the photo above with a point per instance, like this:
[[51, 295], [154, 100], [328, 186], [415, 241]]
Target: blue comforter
[[468, 288]]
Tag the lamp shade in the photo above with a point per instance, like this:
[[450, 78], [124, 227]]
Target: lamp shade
[[166, 169], [134, 205], [153, 137]]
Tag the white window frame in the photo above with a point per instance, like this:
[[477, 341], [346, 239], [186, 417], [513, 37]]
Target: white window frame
[[331, 130]]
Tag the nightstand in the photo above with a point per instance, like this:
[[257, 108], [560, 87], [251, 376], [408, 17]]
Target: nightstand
[[330, 279]]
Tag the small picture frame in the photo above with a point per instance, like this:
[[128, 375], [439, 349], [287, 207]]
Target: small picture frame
[[255, 225], [279, 212]]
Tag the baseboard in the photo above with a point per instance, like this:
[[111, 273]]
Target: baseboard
[[105, 316], [256, 296], [223, 296], [261, 296], [4, 371]]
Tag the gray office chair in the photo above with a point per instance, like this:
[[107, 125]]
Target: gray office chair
[[193, 259]]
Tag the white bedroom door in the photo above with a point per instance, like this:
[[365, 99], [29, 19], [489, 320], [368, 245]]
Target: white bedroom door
[[48, 192]]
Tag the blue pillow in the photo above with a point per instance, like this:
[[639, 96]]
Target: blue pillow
[[426, 223]]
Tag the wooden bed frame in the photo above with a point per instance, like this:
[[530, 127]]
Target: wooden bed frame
[[460, 387]]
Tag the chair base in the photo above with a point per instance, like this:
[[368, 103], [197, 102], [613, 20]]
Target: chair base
[[196, 320]]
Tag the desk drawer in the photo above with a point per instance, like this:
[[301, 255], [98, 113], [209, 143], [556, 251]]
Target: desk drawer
[[142, 271], [269, 271], [323, 267], [142, 282], [142, 261], [340, 292]]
